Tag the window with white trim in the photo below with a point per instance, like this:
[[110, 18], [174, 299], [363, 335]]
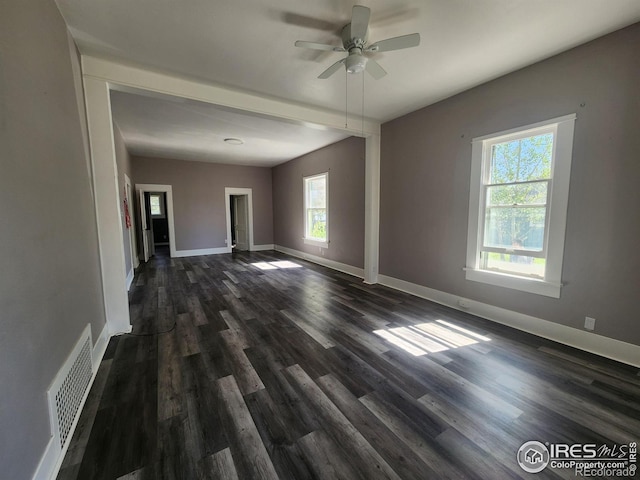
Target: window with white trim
[[156, 204], [518, 206], [316, 209]]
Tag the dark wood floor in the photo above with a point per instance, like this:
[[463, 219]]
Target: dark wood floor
[[278, 373]]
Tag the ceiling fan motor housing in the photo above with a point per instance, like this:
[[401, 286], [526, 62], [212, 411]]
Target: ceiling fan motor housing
[[349, 41]]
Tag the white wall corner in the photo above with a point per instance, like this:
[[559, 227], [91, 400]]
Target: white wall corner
[[107, 203], [372, 209], [573, 337], [130, 276], [100, 348]]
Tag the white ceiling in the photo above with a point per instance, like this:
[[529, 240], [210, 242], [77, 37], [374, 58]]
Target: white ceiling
[[248, 45], [188, 130]]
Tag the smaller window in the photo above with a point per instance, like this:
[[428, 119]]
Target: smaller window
[[316, 210], [157, 205]]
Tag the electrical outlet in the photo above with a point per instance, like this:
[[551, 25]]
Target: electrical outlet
[[589, 323]]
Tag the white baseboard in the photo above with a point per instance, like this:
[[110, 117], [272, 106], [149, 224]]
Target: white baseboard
[[261, 248], [52, 458], [201, 251], [99, 348], [217, 251], [130, 278], [48, 467], [583, 340], [341, 267]]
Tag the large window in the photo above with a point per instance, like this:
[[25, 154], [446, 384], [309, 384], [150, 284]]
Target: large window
[[518, 206], [316, 210]]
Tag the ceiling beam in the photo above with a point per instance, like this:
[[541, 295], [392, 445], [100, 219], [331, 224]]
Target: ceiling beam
[[134, 79]]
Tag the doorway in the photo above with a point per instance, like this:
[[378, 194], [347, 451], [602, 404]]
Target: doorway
[[157, 210], [156, 220], [239, 223], [239, 207]]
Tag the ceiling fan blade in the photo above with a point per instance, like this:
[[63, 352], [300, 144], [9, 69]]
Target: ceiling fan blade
[[395, 43], [318, 46], [359, 21], [374, 69], [332, 69]]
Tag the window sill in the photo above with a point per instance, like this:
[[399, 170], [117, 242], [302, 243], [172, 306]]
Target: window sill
[[316, 243], [530, 285]]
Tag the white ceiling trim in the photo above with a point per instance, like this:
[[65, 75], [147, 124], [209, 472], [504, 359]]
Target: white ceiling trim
[[132, 79]]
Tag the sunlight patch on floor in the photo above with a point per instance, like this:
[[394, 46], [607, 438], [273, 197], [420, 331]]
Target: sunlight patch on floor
[[430, 337], [285, 264], [276, 265]]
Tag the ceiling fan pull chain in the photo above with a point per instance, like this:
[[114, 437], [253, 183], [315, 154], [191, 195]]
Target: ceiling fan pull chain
[[346, 97], [363, 104]]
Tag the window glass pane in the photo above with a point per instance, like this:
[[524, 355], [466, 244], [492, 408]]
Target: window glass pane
[[514, 264], [519, 194], [521, 160], [515, 228], [317, 192], [317, 223], [154, 200]]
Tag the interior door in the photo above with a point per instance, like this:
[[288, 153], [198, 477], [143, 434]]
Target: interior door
[[242, 221], [144, 225]]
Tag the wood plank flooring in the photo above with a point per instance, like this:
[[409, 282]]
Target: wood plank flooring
[[240, 367]]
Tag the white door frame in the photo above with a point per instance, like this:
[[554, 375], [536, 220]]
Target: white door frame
[[228, 193], [133, 245], [144, 226], [239, 200], [100, 76], [153, 188]]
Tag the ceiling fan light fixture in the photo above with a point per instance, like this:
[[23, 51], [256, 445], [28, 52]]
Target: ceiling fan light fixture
[[233, 141], [355, 63], [355, 41]]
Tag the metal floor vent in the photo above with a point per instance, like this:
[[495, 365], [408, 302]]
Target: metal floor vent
[[69, 387]]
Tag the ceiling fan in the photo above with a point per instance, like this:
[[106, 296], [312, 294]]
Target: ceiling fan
[[354, 41]]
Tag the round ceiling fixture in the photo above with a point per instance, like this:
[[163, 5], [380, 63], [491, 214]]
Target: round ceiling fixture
[[355, 63], [233, 141]]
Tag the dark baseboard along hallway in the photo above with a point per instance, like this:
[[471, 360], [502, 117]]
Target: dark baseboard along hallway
[[263, 366]]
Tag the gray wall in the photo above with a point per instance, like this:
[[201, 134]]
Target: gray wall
[[123, 160], [425, 173], [198, 198], [50, 284], [345, 163]]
